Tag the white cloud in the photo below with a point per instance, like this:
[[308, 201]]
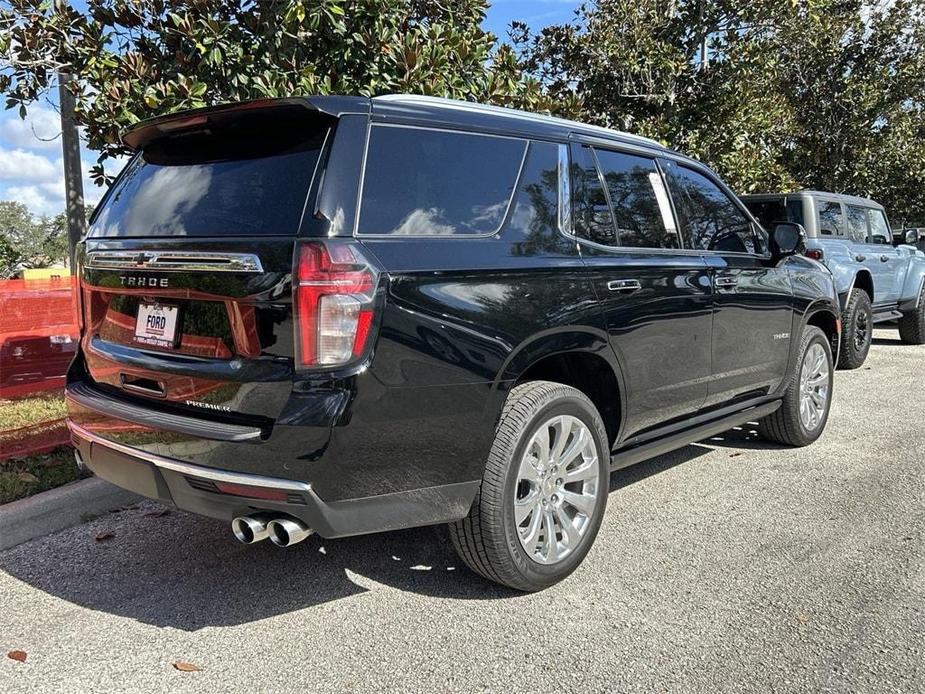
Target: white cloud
[[35, 199], [40, 130], [20, 165], [47, 197]]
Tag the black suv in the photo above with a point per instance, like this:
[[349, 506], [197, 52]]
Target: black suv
[[347, 315]]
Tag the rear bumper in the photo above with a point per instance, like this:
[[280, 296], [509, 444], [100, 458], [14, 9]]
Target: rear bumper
[[193, 488]]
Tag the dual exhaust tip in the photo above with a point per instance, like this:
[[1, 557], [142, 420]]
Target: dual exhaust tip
[[282, 531]]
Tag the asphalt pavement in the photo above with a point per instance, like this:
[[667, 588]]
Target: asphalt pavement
[[729, 565]]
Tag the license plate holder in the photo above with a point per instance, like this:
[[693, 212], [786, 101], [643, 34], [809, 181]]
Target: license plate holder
[[157, 324]]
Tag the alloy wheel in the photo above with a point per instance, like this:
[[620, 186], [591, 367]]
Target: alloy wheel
[[557, 489], [814, 387]]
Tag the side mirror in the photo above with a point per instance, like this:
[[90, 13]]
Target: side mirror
[[912, 237], [787, 239]]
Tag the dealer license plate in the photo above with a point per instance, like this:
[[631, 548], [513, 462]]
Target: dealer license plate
[[156, 324]]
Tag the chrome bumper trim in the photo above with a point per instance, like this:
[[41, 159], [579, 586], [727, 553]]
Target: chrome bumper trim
[[188, 468]]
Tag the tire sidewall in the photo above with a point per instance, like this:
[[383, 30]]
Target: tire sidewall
[[861, 304], [532, 570]]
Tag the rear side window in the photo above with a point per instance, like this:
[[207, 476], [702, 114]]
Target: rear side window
[[857, 224], [709, 217], [641, 208], [831, 219], [422, 182], [593, 218], [242, 182]]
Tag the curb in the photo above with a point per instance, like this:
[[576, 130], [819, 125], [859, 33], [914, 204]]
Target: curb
[[60, 508]]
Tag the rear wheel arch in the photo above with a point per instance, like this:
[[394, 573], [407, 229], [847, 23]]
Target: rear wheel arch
[[589, 373], [827, 321]]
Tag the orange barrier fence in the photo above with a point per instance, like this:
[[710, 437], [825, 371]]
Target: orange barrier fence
[[38, 338], [38, 334]]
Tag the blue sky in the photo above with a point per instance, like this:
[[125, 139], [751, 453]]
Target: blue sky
[[31, 170]]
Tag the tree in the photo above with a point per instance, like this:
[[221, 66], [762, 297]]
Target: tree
[[808, 93], [27, 241], [138, 58]]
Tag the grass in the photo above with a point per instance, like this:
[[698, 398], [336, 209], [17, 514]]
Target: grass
[[32, 410], [23, 477]]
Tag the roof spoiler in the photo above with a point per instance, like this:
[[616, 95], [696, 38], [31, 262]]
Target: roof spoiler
[[147, 131]]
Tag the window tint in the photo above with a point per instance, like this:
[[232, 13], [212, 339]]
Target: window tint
[[768, 212], [709, 217], [879, 226], [640, 204], [593, 219], [437, 183], [241, 184], [533, 223], [857, 224], [831, 220]]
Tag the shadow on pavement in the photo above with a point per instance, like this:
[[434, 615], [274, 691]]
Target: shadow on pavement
[[187, 572], [745, 436]]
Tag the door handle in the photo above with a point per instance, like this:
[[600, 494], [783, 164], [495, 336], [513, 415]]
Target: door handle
[[624, 285], [860, 258], [725, 281], [884, 258]]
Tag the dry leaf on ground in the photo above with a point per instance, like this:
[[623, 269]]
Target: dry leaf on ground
[[186, 667]]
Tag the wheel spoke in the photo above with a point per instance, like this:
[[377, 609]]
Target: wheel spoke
[[563, 428], [528, 470], [530, 534], [542, 445], [524, 507], [586, 471], [550, 543], [570, 533], [576, 447], [583, 502]]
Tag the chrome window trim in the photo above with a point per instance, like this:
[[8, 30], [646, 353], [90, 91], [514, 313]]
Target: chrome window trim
[[188, 468], [173, 261], [565, 191], [359, 213]]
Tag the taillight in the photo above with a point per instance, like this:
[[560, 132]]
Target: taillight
[[334, 288], [815, 254]]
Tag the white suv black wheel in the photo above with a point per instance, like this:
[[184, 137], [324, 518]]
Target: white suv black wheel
[[544, 490]]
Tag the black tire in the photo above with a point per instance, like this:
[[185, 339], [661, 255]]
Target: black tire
[[785, 425], [912, 324], [857, 330], [487, 539]]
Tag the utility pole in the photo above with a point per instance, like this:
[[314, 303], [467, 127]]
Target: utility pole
[[73, 175], [704, 50]]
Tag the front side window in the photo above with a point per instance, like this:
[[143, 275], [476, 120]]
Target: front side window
[[857, 224], [640, 203], [708, 216], [831, 219], [437, 183], [769, 212], [879, 229]]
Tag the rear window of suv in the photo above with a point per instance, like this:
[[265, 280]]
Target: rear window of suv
[[237, 183], [422, 182]]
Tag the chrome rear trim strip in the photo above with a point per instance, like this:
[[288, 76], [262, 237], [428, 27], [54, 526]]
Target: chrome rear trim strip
[[187, 468], [173, 261]]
